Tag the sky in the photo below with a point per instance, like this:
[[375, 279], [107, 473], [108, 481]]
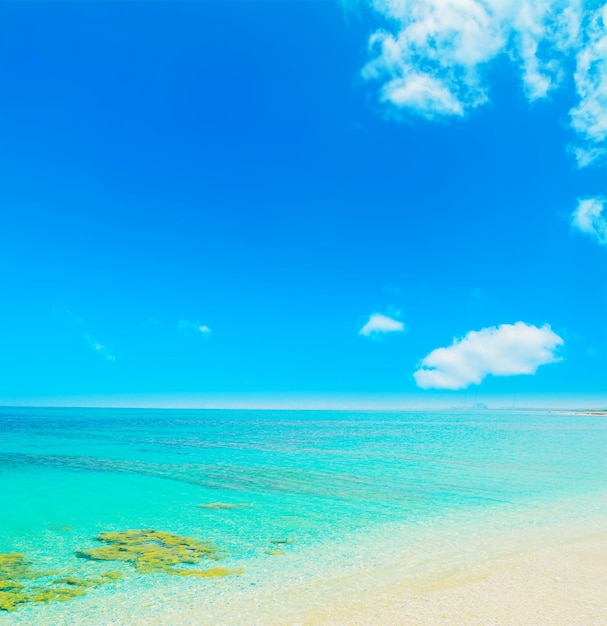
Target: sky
[[212, 202]]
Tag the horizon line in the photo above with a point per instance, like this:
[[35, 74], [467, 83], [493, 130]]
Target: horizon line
[[312, 402]]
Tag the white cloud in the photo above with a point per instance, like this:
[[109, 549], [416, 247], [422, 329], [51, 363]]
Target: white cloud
[[589, 117], [101, 349], [432, 57], [427, 95], [186, 327], [588, 218], [378, 324], [506, 350]]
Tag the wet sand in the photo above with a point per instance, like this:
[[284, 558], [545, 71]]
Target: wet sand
[[560, 585], [535, 577]]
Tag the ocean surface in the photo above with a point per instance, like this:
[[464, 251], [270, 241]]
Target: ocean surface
[[291, 493]]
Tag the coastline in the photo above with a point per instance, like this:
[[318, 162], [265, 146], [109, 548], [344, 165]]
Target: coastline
[[519, 570], [553, 576], [563, 584], [596, 412]]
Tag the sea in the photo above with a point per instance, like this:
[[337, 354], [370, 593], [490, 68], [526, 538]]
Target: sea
[[282, 496]]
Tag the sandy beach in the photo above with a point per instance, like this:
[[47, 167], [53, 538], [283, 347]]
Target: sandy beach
[[559, 580], [533, 577], [560, 585]]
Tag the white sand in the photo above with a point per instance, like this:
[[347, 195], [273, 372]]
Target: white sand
[[563, 584], [534, 578]]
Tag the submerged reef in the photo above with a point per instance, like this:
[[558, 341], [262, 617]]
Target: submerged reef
[[222, 505], [224, 476], [213, 572], [17, 586], [156, 552], [15, 566], [278, 544], [149, 551], [86, 583], [60, 529]]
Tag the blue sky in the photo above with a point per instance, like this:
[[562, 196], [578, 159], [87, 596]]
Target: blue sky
[[302, 199]]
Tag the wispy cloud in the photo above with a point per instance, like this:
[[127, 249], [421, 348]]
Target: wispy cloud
[[432, 57], [379, 324], [506, 350], [101, 349], [589, 117], [67, 316], [187, 328], [104, 351], [589, 219]]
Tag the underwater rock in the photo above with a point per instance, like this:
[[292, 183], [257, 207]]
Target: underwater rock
[[279, 543], [15, 566], [10, 585], [222, 505], [155, 552], [59, 594], [87, 583], [112, 577], [10, 600], [60, 529], [17, 588], [74, 582], [214, 572]]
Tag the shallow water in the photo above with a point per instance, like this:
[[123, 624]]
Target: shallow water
[[315, 479]]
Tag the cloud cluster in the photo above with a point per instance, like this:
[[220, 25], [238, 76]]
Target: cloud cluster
[[589, 117], [588, 218], [506, 350], [433, 56], [379, 324]]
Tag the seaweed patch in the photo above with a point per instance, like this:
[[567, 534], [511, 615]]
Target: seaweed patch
[[19, 583], [156, 552]]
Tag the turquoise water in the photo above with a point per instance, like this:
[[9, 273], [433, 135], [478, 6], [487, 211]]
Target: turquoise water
[[310, 477]]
